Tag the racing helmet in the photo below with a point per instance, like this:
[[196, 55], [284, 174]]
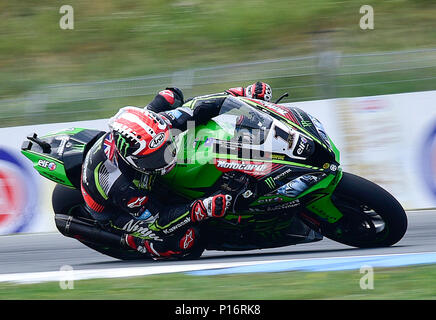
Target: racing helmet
[[142, 139]]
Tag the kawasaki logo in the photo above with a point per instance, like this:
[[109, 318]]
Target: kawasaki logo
[[180, 224]]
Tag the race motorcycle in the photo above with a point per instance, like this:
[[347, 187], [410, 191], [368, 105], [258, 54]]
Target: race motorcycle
[[278, 162]]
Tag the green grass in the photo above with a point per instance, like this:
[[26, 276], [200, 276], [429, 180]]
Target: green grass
[[125, 38], [417, 282]]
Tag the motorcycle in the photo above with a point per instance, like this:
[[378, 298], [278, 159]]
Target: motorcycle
[[278, 162]]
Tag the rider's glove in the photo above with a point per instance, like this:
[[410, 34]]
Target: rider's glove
[[174, 97], [259, 90], [211, 207]]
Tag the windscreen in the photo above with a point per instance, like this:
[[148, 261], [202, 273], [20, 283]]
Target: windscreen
[[243, 122]]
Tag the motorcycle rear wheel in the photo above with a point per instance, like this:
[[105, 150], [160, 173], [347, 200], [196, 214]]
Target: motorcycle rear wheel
[[372, 216]]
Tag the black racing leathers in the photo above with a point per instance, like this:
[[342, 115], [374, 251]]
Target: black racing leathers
[[121, 198], [198, 110]]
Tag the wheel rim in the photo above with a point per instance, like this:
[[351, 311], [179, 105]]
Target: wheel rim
[[360, 224]]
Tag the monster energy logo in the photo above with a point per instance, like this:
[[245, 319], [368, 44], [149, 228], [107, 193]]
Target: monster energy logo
[[122, 145], [270, 182], [306, 123], [145, 181]]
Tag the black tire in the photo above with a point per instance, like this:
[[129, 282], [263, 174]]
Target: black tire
[[66, 200], [372, 216], [120, 254]]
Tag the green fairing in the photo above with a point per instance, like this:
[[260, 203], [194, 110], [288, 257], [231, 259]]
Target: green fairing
[[69, 132], [336, 151], [323, 205], [196, 164], [63, 161], [58, 174], [196, 170]]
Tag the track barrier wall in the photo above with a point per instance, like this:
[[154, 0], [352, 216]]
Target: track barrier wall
[[389, 139]]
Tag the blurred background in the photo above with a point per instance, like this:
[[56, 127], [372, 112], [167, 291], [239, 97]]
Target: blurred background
[[122, 52], [372, 88]]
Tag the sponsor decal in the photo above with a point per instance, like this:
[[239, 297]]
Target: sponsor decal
[[270, 182], [145, 215], [333, 167], [306, 123], [121, 144], [51, 166], [301, 145], [299, 114], [137, 202], [47, 164], [174, 114], [268, 200], [168, 96], [255, 168], [199, 212], [62, 145], [18, 194], [299, 185], [187, 240], [157, 141], [247, 194], [371, 105], [138, 227], [177, 226], [287, 205], [276, 156], [303, 148], [283, 174], [281, 110], [285, 136], [275, 207], [109, 146]]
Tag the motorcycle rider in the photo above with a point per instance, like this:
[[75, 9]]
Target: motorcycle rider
[[120, 168]]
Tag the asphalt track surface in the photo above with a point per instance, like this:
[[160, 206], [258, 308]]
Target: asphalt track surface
[[25, 253]]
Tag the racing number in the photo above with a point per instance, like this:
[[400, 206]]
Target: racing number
[[282, 134]]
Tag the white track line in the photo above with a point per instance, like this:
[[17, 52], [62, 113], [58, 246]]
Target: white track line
[[73, 275]]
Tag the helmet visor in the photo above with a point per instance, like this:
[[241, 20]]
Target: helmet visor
[[158, 159]]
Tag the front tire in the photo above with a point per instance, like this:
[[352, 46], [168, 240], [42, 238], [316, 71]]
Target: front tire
[[372, 216]]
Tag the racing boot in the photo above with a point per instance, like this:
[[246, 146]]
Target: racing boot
[[173, 247]]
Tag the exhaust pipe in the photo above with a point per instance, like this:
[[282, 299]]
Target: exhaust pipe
[[76, 228]]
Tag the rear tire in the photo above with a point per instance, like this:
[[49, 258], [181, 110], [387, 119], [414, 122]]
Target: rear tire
[[66, 200], [372, 216]]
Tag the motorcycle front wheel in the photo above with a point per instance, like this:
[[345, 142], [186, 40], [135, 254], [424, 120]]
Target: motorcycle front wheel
[[372, 217]]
